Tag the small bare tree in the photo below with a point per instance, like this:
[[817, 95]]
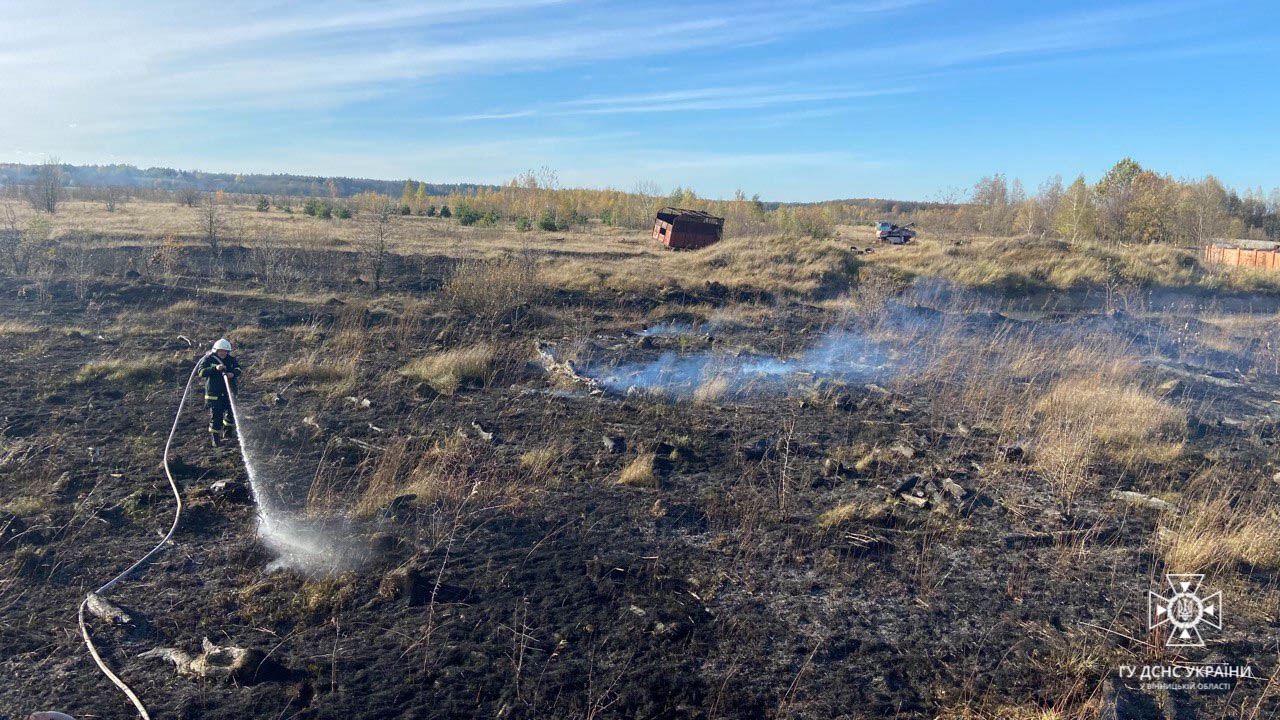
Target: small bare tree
[[45, 191], [377, 239], [34, 239], [213, 220], [113, 196], [10, 234]]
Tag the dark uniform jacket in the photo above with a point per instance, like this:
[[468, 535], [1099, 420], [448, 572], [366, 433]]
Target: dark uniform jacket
[[214, 388]]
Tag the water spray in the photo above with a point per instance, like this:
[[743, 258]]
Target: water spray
[[299, 543]]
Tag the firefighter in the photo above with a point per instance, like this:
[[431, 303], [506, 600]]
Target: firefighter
[[217, 365]]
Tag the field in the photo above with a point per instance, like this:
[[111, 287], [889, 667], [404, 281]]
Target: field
[[572, 474]]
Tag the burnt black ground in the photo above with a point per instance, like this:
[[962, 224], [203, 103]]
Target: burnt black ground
[[714, 595]]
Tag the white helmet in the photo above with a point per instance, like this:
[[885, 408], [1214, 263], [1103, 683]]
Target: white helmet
[[223, 344]]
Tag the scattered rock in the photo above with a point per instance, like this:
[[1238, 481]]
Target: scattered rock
[[63, 484], [484, 433], [913, 500], [106, 611], [834, 468], [952, 488], [908, 485], [228, 490], [1016, 450], [615, 444], [1140, 499]]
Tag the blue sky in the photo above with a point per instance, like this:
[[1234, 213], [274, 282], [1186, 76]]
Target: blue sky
[[798, 101]]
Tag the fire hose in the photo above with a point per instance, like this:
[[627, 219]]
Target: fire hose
[[177, 514]]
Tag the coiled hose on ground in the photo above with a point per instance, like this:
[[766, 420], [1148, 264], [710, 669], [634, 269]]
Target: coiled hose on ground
[[177, 515]]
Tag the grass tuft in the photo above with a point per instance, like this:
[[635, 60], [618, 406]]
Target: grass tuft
[[142, 370], [448, 371], [640, 472]]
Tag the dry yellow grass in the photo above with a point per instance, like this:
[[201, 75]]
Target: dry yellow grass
[[640, 472], [1029, 263], [599, 256], [447, 371], [539, 460], [852, 511], [1086, 417], [1218, 535], [385, 481], [337, 377], [781, 265], [1129, 424], [712, 390], [141, 370], [27, 505], [15, 327], [247, 334]]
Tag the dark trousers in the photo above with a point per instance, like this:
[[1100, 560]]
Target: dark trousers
[[221, 419]]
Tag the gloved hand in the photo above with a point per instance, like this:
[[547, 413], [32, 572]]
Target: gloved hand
[[221, 368]]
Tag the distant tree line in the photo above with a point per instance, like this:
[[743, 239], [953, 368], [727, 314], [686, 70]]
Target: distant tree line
[[196, 181]]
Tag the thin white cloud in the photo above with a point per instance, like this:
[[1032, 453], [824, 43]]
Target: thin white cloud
[[749, 97]]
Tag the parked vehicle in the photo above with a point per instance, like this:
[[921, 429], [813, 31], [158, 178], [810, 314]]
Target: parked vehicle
[[894, 234]]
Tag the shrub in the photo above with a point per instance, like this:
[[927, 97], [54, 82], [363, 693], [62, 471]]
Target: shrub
[[406, 210], [524, 224], [468, 215], [263, 204], [547, 221], [319, 208], [431, 211], [445, 212], [489, 291], [343, 213]]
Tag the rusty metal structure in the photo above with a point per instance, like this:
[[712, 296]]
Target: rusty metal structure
[[681, 229], [1257, 255]]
